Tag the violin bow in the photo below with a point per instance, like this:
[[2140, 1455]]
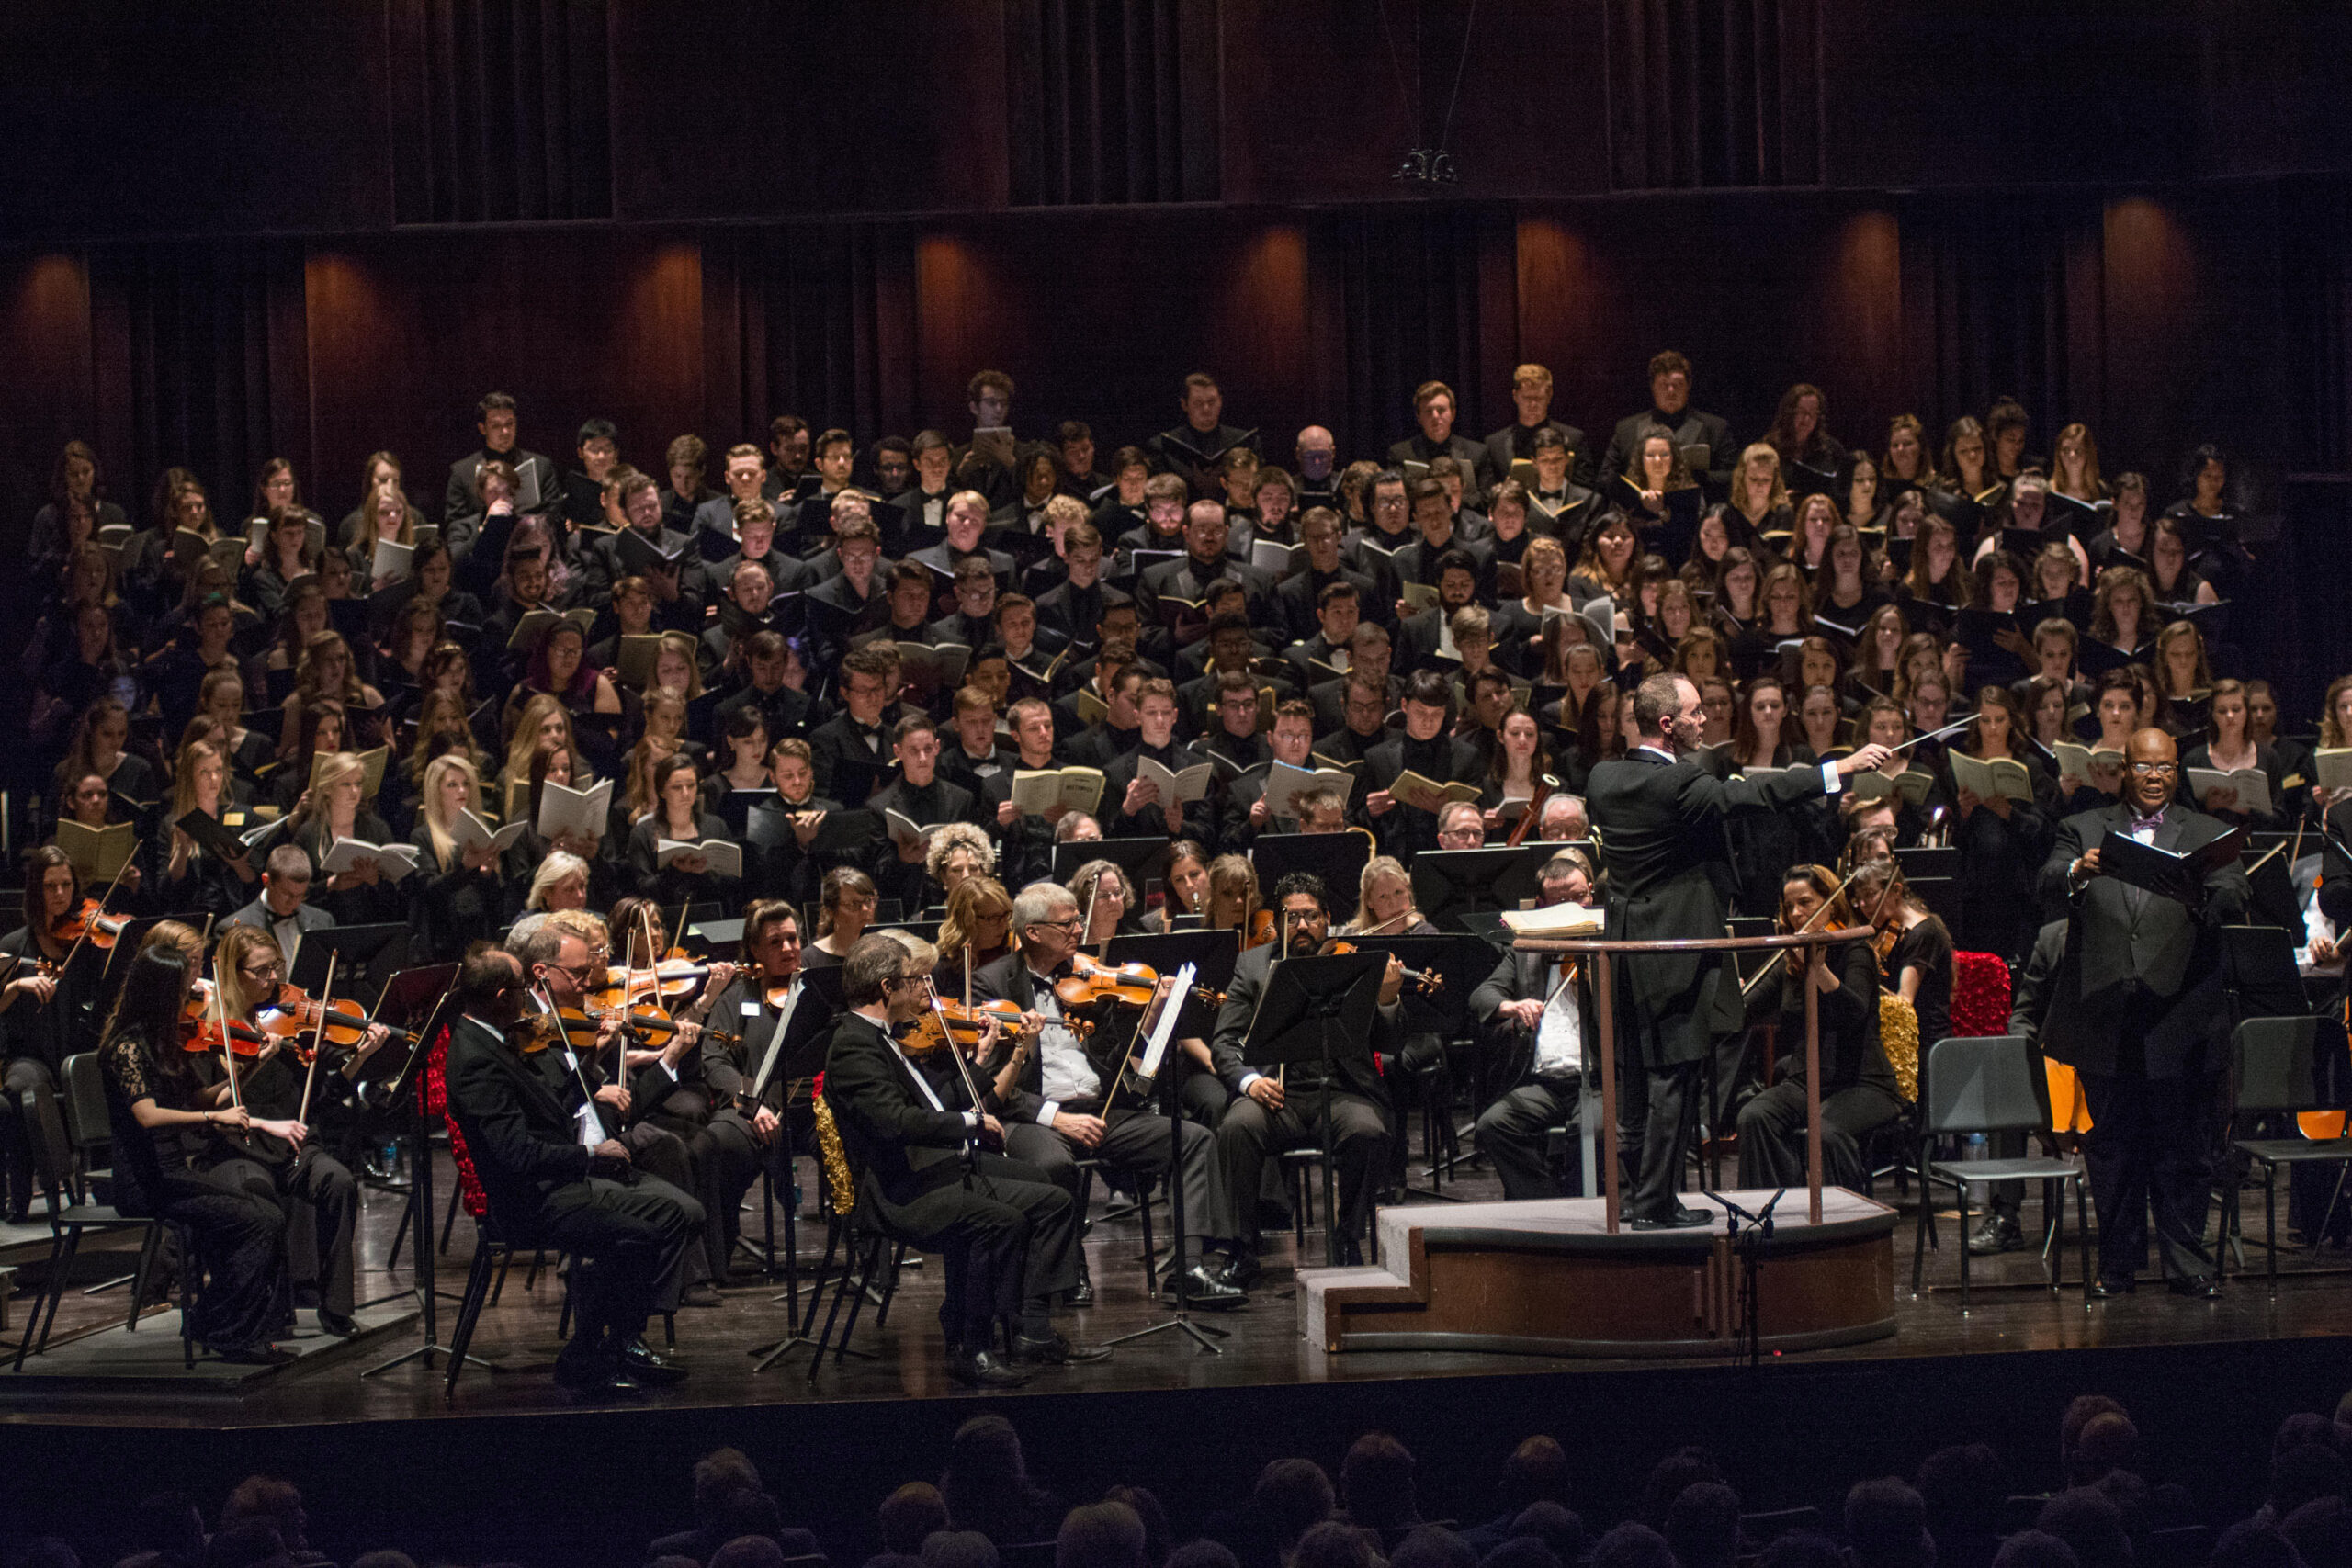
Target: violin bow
[[228, 1051], [318, 1037], [963, 1068]]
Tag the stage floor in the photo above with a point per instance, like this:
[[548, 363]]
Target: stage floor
[[1265, 1350]]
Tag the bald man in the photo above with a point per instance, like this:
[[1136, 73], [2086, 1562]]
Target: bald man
[[2137, 1010]]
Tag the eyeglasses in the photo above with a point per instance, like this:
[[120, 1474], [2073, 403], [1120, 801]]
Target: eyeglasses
[[2152, 770], [263, 973], [579, 973]]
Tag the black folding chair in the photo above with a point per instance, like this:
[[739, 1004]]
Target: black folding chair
[[1992, 1083], [2287, 1066]]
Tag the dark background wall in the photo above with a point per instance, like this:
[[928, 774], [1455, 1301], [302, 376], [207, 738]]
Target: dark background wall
[[286, 228]]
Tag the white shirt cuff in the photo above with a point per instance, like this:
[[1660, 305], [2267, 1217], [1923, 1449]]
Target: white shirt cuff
[[1248, 1078], [1048, 1111], [971, 1117], [1830, 781]]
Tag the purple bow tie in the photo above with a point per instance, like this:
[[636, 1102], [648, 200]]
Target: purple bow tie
[[2147, 824]]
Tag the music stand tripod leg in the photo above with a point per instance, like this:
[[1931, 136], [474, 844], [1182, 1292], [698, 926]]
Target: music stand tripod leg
[[1172, 1107]]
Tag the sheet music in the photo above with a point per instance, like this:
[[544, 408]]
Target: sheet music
[[1169, 1006]]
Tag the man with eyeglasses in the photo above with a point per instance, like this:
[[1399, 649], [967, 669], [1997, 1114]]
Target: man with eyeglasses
[[2137, 1010], [1009, 1240], [1062, 1107]]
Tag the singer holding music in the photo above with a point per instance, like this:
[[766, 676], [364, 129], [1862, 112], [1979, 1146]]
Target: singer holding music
[[2138, 1010]]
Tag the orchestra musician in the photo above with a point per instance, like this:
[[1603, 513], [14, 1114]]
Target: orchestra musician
[[1068, 1103], [1535, 1003], [48, 986], [549, 1176], [750, 1097], [1010, 1238]]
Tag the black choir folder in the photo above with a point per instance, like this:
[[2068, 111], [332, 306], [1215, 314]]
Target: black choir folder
[[2169, 874]]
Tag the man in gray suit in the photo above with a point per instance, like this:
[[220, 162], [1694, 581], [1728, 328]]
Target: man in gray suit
[[281, 909]]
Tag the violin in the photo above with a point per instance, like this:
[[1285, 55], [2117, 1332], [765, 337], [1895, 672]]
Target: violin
[[204, 1036], [564, 1026], [957, 1023], [343, 1022], [674, 975], [1261, 930], [90, 923], [1090, 981], [1421, 980]]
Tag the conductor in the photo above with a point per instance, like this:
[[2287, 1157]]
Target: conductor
[[1657, 815], [2137, 1010]]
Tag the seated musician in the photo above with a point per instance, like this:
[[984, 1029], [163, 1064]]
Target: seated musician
[[1269, 1114], [1009, 1242], [551, 1178], [562, 961], [1858, 1089], [747, 1091], [160, 1115], [1068, 1102], [290, 1167], [1537, 999]]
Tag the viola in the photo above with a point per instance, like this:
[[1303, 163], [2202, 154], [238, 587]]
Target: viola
[[89, 922], [204, 1037], [675, 975]]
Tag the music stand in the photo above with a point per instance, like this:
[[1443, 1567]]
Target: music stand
[[724, 939], [430, 993], [366, 957], [1212, 955], [800, 1053], [1459, 963], [1338, 858], [1174, 993], [1449, 884], [1312, 1009], [680, 918], [1130, 856]]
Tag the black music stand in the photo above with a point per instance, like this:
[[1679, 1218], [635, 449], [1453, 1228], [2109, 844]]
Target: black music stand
[[1212, 955], [365, 958], [1460, 964], [1172, 1106], [1449, 884], [1130, 856], [1338, 858], [431, 993], [799, 1054], [1311, 1010]]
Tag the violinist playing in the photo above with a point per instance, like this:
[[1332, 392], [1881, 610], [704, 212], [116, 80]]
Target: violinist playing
[[1535, 1006], [551, 1177], [1269, 1114], [748, 1120], [1072, 1101], [1858, 1087], [564, 960], [159, 1114], [283, 1162], [41, 997], [1009, 1240]]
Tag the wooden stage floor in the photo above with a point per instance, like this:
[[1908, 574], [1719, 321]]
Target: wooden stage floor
[[1265, 1350]]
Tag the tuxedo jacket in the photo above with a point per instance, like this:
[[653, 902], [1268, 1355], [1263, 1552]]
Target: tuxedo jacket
[[1514, 441], [898, 1143], [1356, 1071], [2125, 947], [1660, 829], [1008, 979], [521, 1135]]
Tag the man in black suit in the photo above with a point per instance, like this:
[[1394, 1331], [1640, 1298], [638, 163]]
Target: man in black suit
[[1670, 410], [1404, 827], [1205, 533], [283, 909], [1132, 805], [543, 1181], [844, 592], [1068, 612], [679, 586], [968, 520], [583, 487], [765, 661], [1433, 409], [1009, 1239], [1422, 560], [1025, 843], [1246, 815], [921, 796], [1061, 1107], [2138, 1011], [1299, 597], [857, 734], [1196, 448], [715, 519], [1531, 395], [540, 485], [1538, 1015], [1659, 818], [1269, 1114], [1323, 654]]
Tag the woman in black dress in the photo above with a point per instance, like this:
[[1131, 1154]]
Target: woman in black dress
[[155, 1109], [2002, 839], [457, 898], [48, 989], [676, 817]]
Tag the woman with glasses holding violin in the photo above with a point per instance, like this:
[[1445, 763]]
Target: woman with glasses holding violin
[[752, 1115], [281, 1085]]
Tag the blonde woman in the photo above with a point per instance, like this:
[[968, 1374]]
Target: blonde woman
[[457, 898], [192, 876], [336, 807], [1384, 902]]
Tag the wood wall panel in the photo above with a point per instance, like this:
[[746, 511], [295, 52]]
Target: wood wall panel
[[49, 396]]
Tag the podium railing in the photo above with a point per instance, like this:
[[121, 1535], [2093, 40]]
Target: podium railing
[[1605, 1022]]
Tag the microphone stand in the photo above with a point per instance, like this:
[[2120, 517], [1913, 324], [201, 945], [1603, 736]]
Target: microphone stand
[[1749, 1244]]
